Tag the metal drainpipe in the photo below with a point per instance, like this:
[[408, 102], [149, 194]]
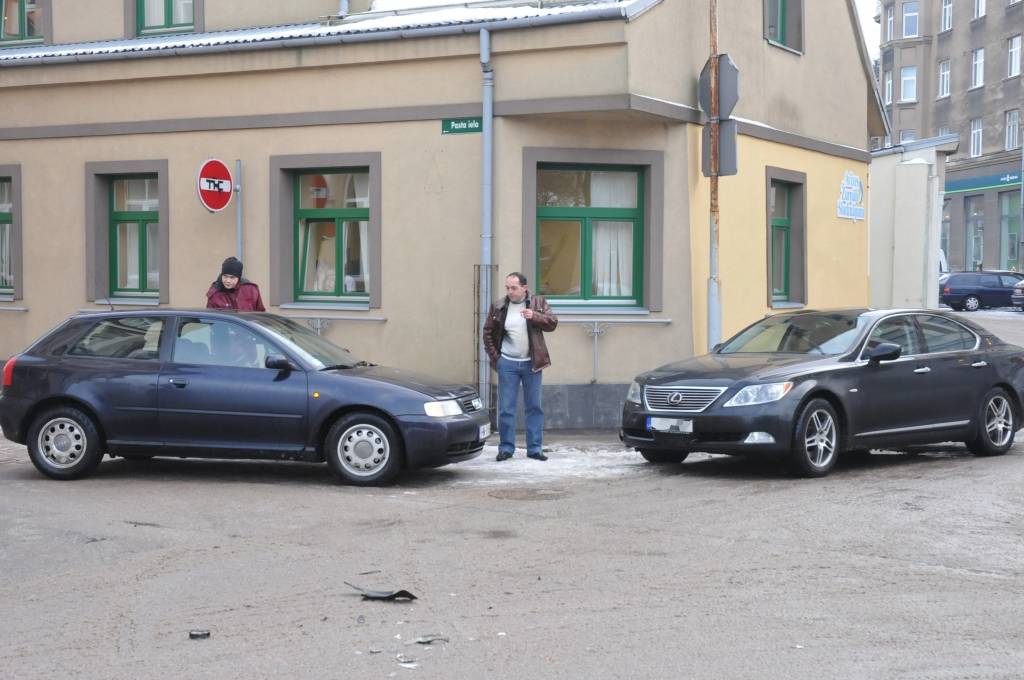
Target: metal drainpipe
[[487, 198], [343, 8]]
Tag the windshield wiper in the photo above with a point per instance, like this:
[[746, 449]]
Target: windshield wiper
[[358, 364]]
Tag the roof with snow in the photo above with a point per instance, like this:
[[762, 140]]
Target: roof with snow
[[387, 20]]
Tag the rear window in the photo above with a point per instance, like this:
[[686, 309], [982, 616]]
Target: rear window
[[128, 338]]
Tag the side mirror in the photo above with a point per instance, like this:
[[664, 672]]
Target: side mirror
[[279, 362], [885, 351]]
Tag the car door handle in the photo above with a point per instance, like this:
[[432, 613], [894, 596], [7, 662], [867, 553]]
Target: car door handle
[[979, 364], [180, 383], [923, 369]]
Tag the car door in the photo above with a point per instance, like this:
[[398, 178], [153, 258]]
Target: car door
[[114, 367], [958, 368], [990, 290], [894, 397], [216, 397]]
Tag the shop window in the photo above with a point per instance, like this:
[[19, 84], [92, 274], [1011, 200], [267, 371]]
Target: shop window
[[332, 243], [1009, 213], [147, 17], [947, 220], [22, 20], [325, 230], [134, 237], [975, 246], [783, 23], [786, 242], [590, 234]]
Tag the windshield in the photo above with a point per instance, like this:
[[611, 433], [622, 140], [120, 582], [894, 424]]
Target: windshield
[[813, 333], [316, 350]]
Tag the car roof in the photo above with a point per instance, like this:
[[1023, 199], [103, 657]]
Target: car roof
[[168, 311]]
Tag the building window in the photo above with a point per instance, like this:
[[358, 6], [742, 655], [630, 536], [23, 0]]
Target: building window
[[976, 137], [1009, 210], [978, 67], [907, 136], [332, 234], [590, 233], [975, 246], [22, 20], [1013, 56], [944, 78], [887, 86], [890, 23], [910, 15], [786, 250], [1012, 129], [908, 84], [6, 237], [979, 8], [944, 130], [145, 17], [946, 16], [783, 22], [134, 236], [325, 230]]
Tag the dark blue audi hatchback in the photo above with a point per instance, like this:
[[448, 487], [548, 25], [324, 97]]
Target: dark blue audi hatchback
[[210, 384]]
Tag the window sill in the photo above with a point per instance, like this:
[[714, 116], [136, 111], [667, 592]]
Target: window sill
[[907, 102], [566, 309], [785, 47], [20, 43], [328, 306], [1013, 77], [786, 304], [975, 88], [128, 302], [944, 32], [943, 97]]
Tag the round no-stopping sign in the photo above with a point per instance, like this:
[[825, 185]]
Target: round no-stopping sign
[[215, 185]]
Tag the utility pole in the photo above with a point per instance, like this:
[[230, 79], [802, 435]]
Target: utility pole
[[714, 296]]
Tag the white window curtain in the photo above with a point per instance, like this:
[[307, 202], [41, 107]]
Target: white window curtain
[[364, 253], [611, 189], [613, 258], [6, 265], [128, 260]]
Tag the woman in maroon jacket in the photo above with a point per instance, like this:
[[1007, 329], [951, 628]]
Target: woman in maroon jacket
[[231, 291]]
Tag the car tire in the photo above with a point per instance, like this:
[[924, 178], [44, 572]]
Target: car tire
[[662, 457], [957, 308], [64, 443], [363, 449], [972, 303], [816, 438], [995, 425]]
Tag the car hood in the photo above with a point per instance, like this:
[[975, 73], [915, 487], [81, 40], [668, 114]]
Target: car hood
[[729, 368], [431, 386]]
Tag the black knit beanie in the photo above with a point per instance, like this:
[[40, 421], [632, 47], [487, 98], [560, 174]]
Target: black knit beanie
[[232, 267]]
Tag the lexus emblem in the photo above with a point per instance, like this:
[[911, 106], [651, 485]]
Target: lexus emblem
[[676, 398]]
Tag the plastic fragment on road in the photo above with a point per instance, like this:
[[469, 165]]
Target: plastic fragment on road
[[430, 639], [198, 634], [383, 595]]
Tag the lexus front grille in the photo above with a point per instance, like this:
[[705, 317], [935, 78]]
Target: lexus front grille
[[680, 399]]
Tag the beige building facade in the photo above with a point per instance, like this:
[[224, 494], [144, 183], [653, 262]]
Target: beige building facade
[[361, 190]]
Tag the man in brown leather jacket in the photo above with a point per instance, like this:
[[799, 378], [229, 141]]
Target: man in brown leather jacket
[[514, 340]]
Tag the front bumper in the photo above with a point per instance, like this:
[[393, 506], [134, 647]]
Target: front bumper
[[1017, 300], [715, 430], [433, 442]]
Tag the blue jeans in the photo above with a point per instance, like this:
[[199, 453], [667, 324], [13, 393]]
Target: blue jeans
[[510, 375]]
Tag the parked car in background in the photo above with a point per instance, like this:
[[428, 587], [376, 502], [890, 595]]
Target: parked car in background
[[810, 386], [972, 291], [227, 385], [1017, 296]]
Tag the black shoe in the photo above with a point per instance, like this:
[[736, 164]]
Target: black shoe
[[503, 455], [537, 456]]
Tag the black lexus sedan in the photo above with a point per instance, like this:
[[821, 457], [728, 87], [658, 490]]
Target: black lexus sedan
[[227, 385], [811, 385]]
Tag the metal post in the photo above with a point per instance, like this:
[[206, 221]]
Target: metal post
[[714, 301], [238, 211], [486, 216]]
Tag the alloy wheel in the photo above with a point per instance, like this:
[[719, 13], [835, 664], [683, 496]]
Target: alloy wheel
[[363, 450], [820, 438], [62, 442], [998, 421]]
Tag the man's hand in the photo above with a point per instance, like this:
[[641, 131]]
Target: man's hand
[[527, 314]]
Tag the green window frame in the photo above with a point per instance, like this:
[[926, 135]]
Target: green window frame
[[353, 285], [21, 20], [6, 237], [133, 260], [777, 31], [588, 219], [165, 9], [781, 243]]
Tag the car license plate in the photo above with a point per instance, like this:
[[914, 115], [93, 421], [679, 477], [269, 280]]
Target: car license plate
[[485, 431], [677, 425]]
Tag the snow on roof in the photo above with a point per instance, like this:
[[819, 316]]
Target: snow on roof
[[402, 19]]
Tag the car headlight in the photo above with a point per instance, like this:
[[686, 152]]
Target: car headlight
[[760, 394], [633, 395], [439, 409]]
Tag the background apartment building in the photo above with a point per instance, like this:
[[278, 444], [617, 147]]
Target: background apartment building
[[954, 66]]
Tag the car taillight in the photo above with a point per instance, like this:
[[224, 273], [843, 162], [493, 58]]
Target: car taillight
[[9, 372], [945, 291]]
